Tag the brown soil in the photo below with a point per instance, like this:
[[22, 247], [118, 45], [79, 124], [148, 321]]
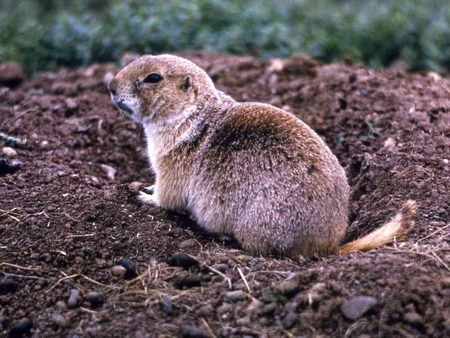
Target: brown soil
[[65, 225]]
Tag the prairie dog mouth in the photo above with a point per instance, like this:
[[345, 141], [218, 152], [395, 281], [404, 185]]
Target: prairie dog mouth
[[123, 106]]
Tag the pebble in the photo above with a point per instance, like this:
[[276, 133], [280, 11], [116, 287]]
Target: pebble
[[188, 331], [130, 268], [290, 320], [74, 299], [59, 320], [166, 306], [183, 260], [189, 243], [135, 186], [205, 311], [356, 307], [289, 287], [61, 306], [413, 318], [21, 328], [190, 281], [224, 308], [244, 321], [8, 168], [221, 267], [255, 305], [234, 296], [8, 285], [95, 299], [109, 171], [71, 104], [119, 271], [46, 257], [9, 152]]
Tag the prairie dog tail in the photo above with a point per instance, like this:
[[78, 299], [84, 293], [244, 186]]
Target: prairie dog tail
[[400, 225]]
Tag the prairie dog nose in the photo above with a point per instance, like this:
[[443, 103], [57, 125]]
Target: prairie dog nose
[[112, 86]]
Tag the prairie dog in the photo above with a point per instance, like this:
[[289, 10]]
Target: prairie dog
[[246, 169]]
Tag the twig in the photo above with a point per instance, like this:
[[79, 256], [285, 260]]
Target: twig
[[440, 260], [81, 236], [208, 328], [230, 286], [60, 280], [20, 267], [88, 311], [434, 232], [7, 274], [83, 276], [245, 280]]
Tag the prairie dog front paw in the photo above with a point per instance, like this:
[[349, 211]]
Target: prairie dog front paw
[[148, 199]]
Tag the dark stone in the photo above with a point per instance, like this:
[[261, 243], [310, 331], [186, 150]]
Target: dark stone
[[130, 267], [188, 331], [21, 328], [356, 307], [8, 285], [74, 298], [166, 306], [188, 282], [290, 320], [183, 260]]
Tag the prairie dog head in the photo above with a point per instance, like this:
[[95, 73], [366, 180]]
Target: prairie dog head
[[161, 90]]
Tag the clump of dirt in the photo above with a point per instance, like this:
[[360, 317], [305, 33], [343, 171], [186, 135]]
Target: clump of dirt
[[81, 256]]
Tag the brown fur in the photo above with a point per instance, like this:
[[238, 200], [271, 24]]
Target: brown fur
[[247, 169]]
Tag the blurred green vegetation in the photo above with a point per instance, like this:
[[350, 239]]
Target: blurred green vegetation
[[44, 34]]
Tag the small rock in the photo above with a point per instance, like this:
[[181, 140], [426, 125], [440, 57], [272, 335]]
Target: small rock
[[130, 268], [244, 321], [166, 305], [59, 320], [290, 320], [135, 186], [46, 257], [8, 168], [289, 287], [234, 296], [95, 299], [268, 309], [109, 171], [8, 285], [74, 299], [255, 305], [183, 260], [21, 328], [188, 331], [119, 271], [11, 74], [71, 104], [225, 308], [9, 152], [389, 143], [413, 318], [356, 307], [61, 306], [205, 311], [190, 281], [189, 243], [221, 267]]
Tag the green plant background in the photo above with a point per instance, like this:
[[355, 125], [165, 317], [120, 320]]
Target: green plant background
[[45, 34]]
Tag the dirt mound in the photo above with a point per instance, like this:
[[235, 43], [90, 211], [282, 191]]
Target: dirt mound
[[73, 236]]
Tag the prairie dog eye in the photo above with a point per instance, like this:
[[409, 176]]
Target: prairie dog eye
[[153, 78]]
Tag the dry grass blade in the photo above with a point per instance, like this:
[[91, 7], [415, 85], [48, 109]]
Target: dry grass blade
[[20, 267], [245, 280]]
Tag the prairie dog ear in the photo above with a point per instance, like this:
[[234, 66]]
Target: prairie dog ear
[[186, 84]]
